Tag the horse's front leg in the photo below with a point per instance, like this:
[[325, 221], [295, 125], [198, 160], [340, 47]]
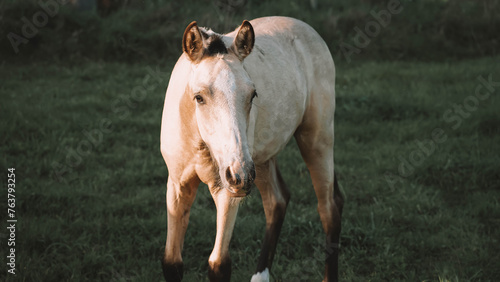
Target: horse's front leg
[[275, 197], [219, 263], [179, 201]]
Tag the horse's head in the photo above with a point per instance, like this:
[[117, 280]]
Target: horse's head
[[223, 92]]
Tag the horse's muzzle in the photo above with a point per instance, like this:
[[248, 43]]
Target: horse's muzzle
[[240, 186]]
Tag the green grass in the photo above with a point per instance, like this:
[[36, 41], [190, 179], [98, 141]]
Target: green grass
[[104, 219]]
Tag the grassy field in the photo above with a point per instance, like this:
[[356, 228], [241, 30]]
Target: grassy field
[[91, 181]]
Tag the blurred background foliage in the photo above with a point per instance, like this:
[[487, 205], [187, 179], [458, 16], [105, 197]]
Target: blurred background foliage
[[149, 31]]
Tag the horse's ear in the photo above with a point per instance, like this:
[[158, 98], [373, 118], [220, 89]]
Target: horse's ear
[[192, 42], [244, 40]]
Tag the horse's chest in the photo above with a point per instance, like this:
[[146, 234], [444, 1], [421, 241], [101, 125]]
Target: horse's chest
[[205, 166]]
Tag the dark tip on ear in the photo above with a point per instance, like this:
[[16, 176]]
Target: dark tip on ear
[[192, 42], [244, 40]]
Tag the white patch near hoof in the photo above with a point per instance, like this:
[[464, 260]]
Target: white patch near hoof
[[261, 276]]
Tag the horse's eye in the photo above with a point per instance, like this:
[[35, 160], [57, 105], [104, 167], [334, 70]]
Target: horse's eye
[[198, 99]]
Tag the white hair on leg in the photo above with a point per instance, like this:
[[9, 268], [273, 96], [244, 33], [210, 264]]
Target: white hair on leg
[[261, 276]]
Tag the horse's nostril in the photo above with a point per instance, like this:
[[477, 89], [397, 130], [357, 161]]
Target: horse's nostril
[[229, 175], [237, 179], [233, 179]]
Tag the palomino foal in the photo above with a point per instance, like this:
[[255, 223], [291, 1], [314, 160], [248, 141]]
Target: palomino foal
[[232, 104]]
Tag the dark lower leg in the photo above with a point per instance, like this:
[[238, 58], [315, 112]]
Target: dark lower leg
[[172, 272], [333, 238], [332, 259], [275, 215], [337, 196], [269, 244], [219, 271]]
